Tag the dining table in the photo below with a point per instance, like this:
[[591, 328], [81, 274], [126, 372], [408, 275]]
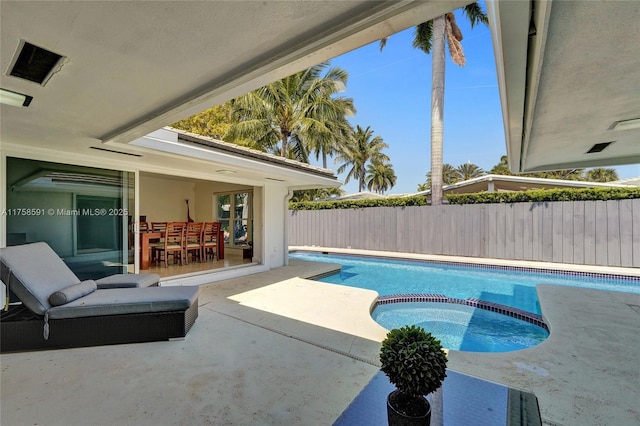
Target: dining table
[[147, 236]]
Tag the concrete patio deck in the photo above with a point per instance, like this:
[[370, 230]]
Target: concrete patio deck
[[273, 348]]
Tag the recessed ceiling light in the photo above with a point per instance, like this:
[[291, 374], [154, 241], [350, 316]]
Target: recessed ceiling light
[[226, 172], [8, 97], [634, 123]]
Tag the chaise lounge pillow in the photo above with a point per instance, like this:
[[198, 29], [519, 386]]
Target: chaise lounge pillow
[[73, 292]]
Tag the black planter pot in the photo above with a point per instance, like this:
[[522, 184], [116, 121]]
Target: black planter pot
[[419, 415]]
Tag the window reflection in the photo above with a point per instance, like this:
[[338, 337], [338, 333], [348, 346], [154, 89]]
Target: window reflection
[[235, 212], [81, 212]]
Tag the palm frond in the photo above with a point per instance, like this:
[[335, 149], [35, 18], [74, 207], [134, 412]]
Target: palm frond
[[383, 42], [300, 109], [423, 37], [468, 171], [453, 40], [297, 150], [475, 14]]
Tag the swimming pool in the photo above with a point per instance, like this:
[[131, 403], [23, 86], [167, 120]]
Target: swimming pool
[[462, 328], [511, 287]]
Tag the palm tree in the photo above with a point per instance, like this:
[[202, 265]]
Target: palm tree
[[380, 177], [300, 110], [568, 174], [430, 36], [601, 175], [213, 122], [502, 168], [358, 151], [339, 130], [449, 175], [315, 194], [468, 171]]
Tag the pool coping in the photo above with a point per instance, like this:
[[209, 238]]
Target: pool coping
[[475, 263], [592, 271]]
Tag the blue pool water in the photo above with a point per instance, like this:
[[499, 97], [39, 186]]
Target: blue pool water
[[461, 327], [507, 287]]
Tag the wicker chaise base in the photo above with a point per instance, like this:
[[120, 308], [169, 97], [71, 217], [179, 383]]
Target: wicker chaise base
[[24, 332]]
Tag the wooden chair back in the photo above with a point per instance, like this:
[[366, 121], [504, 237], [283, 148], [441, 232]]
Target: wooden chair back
[[210, 241], [158, 226], [174, 235], [193, 239], [194, 232]]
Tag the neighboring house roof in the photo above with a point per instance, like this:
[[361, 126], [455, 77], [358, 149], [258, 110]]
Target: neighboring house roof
[[564, 85], [357, 196], [630, 181], [498, 183]]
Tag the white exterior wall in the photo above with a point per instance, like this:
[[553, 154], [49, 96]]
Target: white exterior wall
[[276, 214], [270, 207]]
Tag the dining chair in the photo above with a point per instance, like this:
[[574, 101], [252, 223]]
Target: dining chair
[[156, 242], [158, 226], [193, 240], [173, 243], [210, 239]]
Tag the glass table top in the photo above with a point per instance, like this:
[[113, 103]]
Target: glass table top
[[464, 401]]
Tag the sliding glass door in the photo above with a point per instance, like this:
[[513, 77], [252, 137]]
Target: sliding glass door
[[83, 213]]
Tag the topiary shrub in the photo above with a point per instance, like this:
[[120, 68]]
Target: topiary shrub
[[415, 363]]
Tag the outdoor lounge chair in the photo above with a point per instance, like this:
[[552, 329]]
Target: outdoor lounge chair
[[60, 311]]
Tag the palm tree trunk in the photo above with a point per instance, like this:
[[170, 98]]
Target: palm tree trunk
[[285, 140], [437, 109]]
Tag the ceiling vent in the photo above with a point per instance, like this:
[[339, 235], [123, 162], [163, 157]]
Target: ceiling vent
[[115, 152], [599, 147], [35, 63]]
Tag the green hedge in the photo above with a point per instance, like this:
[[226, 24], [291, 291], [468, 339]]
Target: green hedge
[[544, 195], [359, 204], [538, 195]]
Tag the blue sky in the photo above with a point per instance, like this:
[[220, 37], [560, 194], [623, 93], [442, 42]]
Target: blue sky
[[392, 94]]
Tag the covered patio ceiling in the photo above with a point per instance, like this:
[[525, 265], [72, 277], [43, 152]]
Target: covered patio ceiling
[[132, 67], [568, 72]]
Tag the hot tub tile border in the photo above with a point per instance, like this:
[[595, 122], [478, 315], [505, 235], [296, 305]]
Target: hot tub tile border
[[472, 302]]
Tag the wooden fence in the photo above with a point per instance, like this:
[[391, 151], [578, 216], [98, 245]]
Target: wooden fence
[[578, 232]]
